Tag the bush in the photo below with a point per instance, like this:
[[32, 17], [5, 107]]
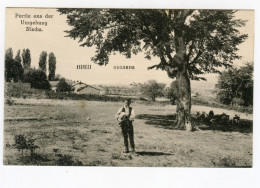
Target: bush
[[171, 92], [63, 86], [197, 101], [152, 89], [18, 90], [21, 143]]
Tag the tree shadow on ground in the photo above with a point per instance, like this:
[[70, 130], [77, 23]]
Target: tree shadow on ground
[[167, 122], [152, 153], [162, 121]]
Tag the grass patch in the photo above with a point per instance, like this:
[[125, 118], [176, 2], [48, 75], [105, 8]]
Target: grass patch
[[72, 140], [67, 160], [230, 162]]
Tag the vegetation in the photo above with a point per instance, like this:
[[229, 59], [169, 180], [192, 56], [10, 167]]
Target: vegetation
[[63, 86], [75, 96], [171, 92], [121, 90], [204, 102], [43, 61], [235, 86], [21, 143], [18, 57], [13, 68], [18, 90], [37, 78], [26, 57], [15, 72], [67, 160], [230, 162], [87, 131], [187, 42], [152, 89], [52, 66]]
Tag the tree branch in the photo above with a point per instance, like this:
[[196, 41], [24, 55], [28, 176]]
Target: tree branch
[[197, 57]]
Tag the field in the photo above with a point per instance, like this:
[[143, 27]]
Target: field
[[70, 132]]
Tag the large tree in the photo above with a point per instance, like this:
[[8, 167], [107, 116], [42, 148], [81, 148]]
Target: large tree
[[13, 67], [188, 43], [52, 66], [18, 57], [26, 57], [235, 86], [43, 61], [8, 63]]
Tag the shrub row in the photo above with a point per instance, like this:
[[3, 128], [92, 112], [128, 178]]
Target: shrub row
[[218, 105], [75, 96], [20, 91]]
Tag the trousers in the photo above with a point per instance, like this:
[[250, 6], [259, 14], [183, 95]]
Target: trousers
[[128, 132]]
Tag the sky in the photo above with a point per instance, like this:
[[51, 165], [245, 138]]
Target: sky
[[69, 54]]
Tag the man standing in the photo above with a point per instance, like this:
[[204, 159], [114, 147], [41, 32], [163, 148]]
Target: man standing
[[125, 116]]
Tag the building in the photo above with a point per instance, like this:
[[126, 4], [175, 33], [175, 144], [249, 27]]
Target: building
[[83, 88], [78, 86]]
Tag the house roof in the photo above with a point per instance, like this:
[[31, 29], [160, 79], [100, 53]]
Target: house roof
[[97, 88], [78, 83]]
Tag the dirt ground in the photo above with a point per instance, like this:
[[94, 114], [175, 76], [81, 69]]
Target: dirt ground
[[88, 132]]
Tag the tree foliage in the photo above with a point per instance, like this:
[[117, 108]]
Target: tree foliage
[[9, 55], [43, 61], [63, 86], [18, 57], [171, 92], [186, 42], [26, 57], [52, 66], [152, 89], [8, 62], [37, 78], [209, 37], [13, 69], [235, 86]]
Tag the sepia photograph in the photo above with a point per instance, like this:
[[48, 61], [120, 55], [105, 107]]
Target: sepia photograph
[[116, 87]]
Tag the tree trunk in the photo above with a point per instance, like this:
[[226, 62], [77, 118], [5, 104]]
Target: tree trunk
[[183, 102], [183, 94]]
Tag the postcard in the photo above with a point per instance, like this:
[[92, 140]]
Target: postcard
[[129, 87]]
